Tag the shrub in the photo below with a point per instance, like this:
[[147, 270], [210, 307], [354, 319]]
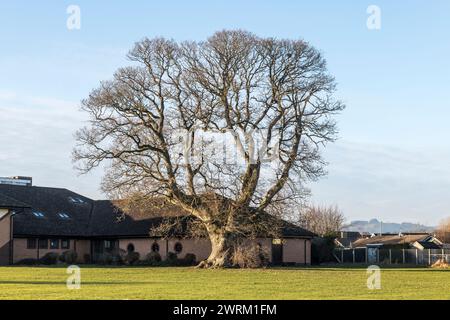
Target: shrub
[[171, 258], [322, 250], [105, 258], [189, 259], [252, 256], [49, 258], [87, 258], [132, 258], [264, 257], [121, 255], [153, 258], [69, 257], [118, 257], [28, 262]]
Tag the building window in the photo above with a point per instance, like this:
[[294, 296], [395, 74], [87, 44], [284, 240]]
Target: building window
[[54, 244], [178, 247], [63, 216], [38, 214], [277, 241], [65, 244], [43, 244], [31, 243], [155, 247], [76, 200], [130, 247], [108, 244]]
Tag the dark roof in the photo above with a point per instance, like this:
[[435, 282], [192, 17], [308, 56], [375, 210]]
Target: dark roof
[[50, 202], [108, 220], [291, 230], [353, 235], [392, 239], [89, 218], [429, 245], [345, 242], [10, 203]]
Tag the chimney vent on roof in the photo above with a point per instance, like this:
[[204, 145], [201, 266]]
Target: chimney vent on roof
[[17, 181]]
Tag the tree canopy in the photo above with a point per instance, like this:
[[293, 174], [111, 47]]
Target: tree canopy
[[226, 128]]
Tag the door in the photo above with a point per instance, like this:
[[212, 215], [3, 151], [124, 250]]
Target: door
[[102, 247], [277, 251], [97, 250], [372, 254]]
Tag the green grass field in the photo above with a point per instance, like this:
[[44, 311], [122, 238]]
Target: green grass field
[[191, 283]]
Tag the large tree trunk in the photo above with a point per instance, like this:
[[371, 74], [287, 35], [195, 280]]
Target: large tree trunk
[[222, 248]]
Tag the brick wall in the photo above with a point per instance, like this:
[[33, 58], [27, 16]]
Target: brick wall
[[5, 236], [21, 251], [296, 250], [200, 247]]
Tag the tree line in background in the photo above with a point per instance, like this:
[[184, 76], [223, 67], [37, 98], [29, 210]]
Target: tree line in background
[[326, 222], [443, 230]]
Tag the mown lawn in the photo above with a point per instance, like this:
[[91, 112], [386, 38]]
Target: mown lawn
[[191, 283]]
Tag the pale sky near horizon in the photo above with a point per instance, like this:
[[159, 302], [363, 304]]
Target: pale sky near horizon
[[392, 161]]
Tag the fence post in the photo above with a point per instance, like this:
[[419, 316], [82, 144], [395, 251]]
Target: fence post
[[417, 257], [390, 256], [366, 255], [342, 255], [353, 255], [378, 255], [403, 254], [429, 257], [444, 258]]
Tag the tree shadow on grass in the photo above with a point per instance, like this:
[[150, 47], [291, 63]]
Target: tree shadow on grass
[[23, 282], [98, 266], [359, 267]]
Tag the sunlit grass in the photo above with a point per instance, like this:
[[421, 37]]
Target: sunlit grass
[[191, 283]]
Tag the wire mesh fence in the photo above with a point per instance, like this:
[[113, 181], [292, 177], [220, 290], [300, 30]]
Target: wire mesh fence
[[392, 256]]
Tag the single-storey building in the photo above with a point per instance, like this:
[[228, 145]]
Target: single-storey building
[[37, 220], [406, 248], [394, 247], [400, 241], [7, 207], [345, 239]]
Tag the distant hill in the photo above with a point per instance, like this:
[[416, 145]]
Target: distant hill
[[373, 226]]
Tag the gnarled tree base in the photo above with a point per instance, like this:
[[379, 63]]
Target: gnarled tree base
[[207, 264], [222, 248], [229, 253]]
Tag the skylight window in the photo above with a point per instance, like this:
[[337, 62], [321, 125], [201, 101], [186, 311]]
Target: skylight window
[[76, 200], [38, 214], [63, 215]]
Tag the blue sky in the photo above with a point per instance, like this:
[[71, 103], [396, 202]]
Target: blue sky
[[392, 159]]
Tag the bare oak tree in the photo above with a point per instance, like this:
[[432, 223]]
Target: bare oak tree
[[226, 129]]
